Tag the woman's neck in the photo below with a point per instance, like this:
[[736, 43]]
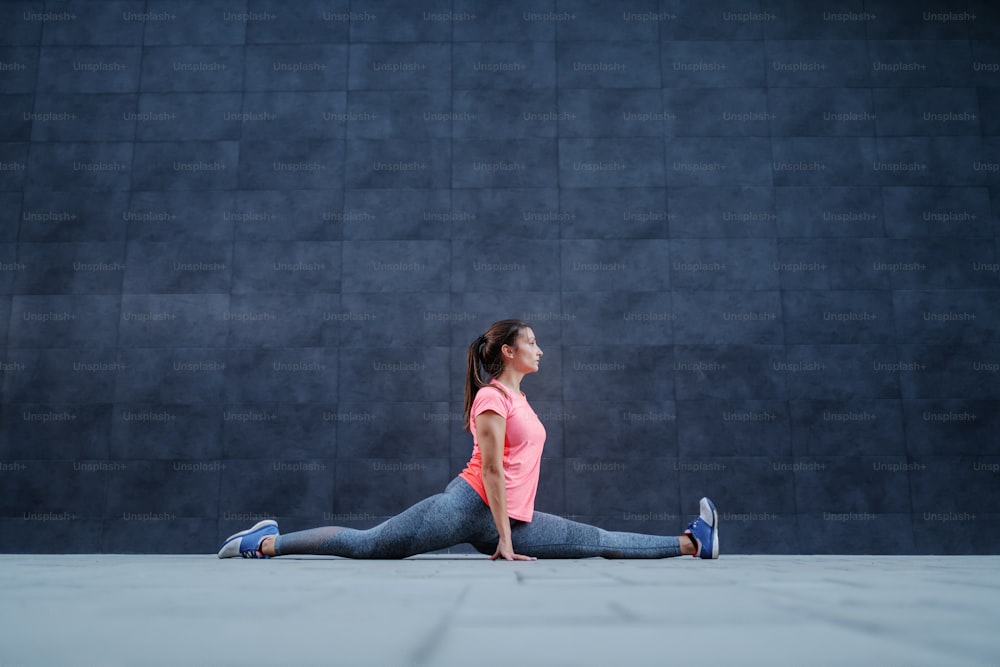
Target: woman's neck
[[511, 380]]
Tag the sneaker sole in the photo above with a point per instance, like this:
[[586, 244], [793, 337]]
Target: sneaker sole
[[715, 530]]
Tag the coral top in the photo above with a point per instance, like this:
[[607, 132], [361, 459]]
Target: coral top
[[522, 449]]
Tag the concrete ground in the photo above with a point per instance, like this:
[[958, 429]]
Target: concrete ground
[[104, 610]]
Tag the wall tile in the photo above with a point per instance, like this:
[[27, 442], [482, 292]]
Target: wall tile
[[309, 21], [399, 66], [83, 69], [175, 22], [712, 64], [71, 216], [174, 69], [498, 65]]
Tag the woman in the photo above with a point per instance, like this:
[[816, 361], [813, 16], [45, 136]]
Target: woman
[[491, 503]]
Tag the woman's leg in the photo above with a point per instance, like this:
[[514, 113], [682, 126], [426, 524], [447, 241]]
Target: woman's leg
[[458, 515], [550, 536]]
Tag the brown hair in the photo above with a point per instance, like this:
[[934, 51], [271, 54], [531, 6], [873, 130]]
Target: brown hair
[[485, 352]]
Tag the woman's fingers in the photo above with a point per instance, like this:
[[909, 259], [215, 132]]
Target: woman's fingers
[[510, 556]]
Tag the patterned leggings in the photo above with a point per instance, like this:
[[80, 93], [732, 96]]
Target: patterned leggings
[[460, 516]]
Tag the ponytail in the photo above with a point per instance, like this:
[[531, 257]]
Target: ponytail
[[484, 357]]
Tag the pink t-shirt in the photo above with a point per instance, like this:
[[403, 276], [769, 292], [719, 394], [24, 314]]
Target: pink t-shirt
[[522, 449]]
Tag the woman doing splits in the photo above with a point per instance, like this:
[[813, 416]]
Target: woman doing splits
[[490, 505]]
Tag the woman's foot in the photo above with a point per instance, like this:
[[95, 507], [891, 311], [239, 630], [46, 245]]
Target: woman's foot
[[247, 543], [705, 530]]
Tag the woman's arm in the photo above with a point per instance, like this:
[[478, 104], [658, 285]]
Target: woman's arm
[[490, 431]]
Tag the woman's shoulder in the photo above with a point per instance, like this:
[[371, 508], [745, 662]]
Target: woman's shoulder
[[493, 392]]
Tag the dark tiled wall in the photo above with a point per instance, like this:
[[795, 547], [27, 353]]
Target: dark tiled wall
[[244, 245]]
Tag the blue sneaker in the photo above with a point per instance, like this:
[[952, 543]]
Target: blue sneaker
[[705, 530], [246, 543]]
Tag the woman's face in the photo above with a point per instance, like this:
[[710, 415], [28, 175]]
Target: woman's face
[[526, 354]]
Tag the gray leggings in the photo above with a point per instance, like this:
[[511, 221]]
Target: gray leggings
[[460, 516]]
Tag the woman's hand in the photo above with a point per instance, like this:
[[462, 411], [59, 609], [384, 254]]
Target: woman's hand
[[506, 552]]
